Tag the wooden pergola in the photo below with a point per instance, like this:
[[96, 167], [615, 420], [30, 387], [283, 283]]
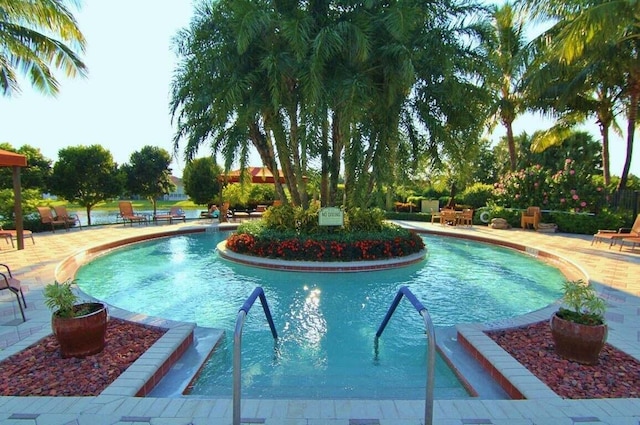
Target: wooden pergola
[[16, 161]]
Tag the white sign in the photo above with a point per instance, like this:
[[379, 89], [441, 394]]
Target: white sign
[[331, 216]]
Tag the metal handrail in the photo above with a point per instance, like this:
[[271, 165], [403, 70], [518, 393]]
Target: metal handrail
[[431, 344], [237, 344]]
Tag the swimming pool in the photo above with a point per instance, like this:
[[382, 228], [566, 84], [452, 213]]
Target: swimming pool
[[326, 322]]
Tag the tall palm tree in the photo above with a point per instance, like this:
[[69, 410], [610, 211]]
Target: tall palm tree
[[509, 57], [35, 36], [587, 31]]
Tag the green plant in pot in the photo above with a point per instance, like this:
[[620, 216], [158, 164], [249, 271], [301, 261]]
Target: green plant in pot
[[579, 330], [80, 328]]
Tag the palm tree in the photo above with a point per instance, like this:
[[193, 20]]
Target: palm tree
[[35, 35], [509, 58], [588, 32]]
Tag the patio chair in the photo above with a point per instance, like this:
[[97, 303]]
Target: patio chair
[[127, 214], [633, 241], [530, 217], [47, 218], [7, 281], [435, 215], [622, 233], [11, 235], [177, 213], [448, 217], [62, 214], [465, 218]]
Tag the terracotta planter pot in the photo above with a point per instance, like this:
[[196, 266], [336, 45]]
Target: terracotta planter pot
[[580, 343], [84, 335]]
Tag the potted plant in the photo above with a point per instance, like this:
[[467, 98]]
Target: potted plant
[[579, 331], [80, 328]]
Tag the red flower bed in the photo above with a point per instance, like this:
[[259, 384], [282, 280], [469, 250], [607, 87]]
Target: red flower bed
[[308, 249]]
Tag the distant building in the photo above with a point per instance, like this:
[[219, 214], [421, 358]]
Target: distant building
[[178, 194]]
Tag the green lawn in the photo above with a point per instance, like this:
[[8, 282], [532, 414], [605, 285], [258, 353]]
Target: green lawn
[[141, 204]]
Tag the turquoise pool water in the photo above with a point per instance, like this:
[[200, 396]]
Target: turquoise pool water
[[326, 322]]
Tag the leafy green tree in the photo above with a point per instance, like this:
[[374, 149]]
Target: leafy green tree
[[34, 176], [148, 174], [201, 178], [35, 35], [86, 175]]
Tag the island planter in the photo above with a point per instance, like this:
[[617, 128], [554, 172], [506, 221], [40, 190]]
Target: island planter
[[84, 334], [578, 342]]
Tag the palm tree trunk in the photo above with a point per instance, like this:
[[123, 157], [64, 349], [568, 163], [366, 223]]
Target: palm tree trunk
[[634, 94], [513, 160], [606, 172]]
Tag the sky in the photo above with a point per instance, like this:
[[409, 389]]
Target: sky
[[123, 104]]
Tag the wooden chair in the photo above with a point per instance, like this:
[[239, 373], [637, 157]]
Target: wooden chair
[[448, 217], [465, 218], [435, 215], [62, 214], [7, 281], [47, 217], [127, 214], [530, 217]]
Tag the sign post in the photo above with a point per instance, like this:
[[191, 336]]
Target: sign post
[[331, 216]]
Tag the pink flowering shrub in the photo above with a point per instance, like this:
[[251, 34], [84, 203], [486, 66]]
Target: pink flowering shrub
[[569, 189], [572, 190], [521, 189]]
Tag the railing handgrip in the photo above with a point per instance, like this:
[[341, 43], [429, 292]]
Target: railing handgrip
[[237, 344]]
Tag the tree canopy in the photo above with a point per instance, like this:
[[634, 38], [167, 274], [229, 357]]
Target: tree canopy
[[368, 85], [201, 180], [148, 174], [86, 175]]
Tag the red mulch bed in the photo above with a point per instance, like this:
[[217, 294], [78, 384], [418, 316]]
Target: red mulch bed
[[617, 375], [40, 371]]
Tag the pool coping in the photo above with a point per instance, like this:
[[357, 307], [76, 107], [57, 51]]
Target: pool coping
[[142, 376]]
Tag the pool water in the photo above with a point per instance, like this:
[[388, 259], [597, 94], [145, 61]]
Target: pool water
[[326, 321]]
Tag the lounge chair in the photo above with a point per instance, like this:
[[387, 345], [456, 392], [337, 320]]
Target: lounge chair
[[614, 236], [530, 217], [177, 213], [47, 218], [7, 281], [632, 241], [127, 214], [11, 235], [62, 214]]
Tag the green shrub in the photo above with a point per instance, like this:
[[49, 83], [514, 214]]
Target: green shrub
[[280, 217], [511, 215], [477, 195], [587, 224], [364, 220], [422, 216]]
